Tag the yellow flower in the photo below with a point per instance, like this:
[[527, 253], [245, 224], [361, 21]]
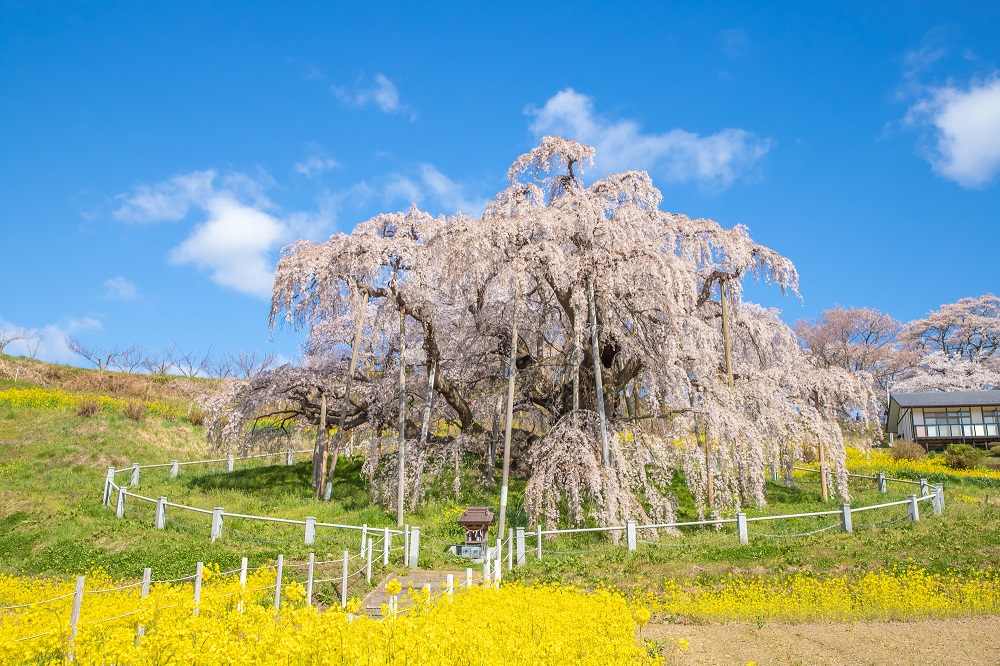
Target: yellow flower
[[393, 586], [642, 616]]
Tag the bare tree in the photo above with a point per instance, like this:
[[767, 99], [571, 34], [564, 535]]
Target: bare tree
[[247, 364], [160, 362], [101, 358], [33, 344], [222, 367], [130, 359], [9, 335], [193, 363]]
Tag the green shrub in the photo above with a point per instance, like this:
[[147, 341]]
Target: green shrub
[[995, 450], [963, 456], [904, 449]]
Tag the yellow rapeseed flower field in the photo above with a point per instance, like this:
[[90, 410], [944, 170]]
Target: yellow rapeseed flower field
[[58, 399], [900, 594], [929, 467], [516, 624]]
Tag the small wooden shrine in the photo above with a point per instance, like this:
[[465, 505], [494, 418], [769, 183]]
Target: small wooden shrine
[[476, 520]]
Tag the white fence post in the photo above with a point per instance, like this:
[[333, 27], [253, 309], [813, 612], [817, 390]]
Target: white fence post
[[197, 586], [343, 582], [510, 549], [468, 577], [881, 482], [538, 542], [938, 499], [230, 463], [175, 467], [216, 522], [310, 530], [774, 472], [630, 534], [74, 618], [277, 583], [914, 509], [406, 544], [486, 571], [243, 581], [134, 481], [364, 536], [108, 480], [924, 488], [520, 546], [845, 518], [309, 579], [741, 528], [288, 458], [368, 561], [386, 546], [147, 575], [414, 547], [120, 509], [450, 584], [160, 521]]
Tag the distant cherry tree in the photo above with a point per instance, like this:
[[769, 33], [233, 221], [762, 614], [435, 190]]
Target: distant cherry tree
[[635, 354]]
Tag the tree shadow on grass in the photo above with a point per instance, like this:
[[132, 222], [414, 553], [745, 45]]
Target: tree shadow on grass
[[349, 488]]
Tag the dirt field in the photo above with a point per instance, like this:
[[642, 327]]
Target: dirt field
[[927, 642]]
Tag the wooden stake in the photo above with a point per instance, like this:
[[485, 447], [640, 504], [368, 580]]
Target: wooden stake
[[511, 374], [401, 447]]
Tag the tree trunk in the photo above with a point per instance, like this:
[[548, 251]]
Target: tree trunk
[[319, 452], [351, 365], [401, 447], [598, 381], [511, 373]]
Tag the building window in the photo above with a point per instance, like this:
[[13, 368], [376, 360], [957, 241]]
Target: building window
[[991, 419], [942, 422]]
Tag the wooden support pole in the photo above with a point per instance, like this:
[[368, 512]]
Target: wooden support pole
[[277, 583], [576, 364], [343, 581], [243, 581], [197, 586], [368, 561], [598, 379], [508, 426], [74, 618], [147, 575], [309, 579], [725, 333], [401, 447], [822, 473]]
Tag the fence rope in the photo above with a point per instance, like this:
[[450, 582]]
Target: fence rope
[[800, 534], [188, 527], [256, 539]]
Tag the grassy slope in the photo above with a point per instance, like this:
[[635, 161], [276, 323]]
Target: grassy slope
[[52, 465]]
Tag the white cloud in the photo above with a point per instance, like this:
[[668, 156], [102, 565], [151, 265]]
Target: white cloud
[[432, 185], [965, 127], [314, 165], [53, 347], [118, 288], [234, 245], [168, 201], [241, 229], [382, 94], [713, 161]]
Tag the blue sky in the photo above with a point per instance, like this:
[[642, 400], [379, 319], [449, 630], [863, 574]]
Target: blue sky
[[155, 157]]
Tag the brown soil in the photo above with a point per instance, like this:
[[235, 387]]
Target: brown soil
[[967, 641]]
